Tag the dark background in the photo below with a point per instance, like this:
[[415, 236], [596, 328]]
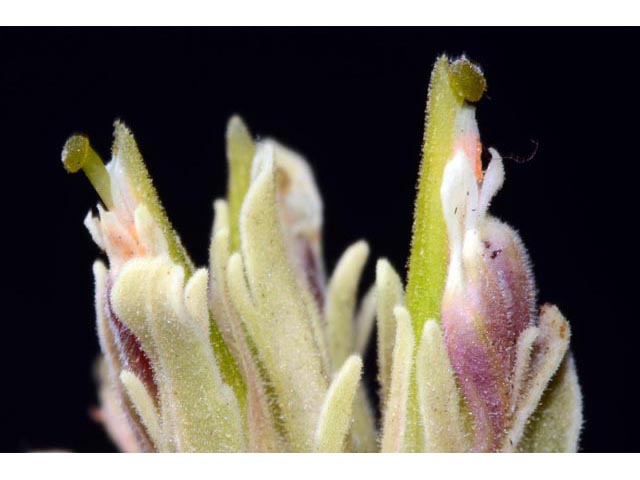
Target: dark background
[[351, 100]]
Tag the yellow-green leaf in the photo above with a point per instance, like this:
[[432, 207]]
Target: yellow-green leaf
[[240, 152], [395, 413], [266, 293], [341, 302], [390, 294], [438, 396], [335, 416], [555, 425]]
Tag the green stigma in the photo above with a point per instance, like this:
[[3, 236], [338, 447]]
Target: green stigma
[[467, 80], [77, 154]]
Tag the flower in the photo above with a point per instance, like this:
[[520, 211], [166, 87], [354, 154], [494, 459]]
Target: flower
[[474, 365], [261, 352]]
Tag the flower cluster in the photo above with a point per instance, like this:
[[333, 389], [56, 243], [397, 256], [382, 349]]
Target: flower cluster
[[261, 352]]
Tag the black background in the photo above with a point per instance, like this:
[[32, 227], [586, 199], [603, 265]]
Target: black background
[[351, 100]]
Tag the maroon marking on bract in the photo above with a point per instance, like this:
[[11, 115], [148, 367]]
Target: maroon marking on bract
[[132, 355], [312, 271]]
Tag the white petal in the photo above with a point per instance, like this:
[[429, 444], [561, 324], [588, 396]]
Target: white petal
[[492, 181], [459, 195]]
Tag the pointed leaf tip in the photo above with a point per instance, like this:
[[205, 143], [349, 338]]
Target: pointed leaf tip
[[335, 417], [240, 152]]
